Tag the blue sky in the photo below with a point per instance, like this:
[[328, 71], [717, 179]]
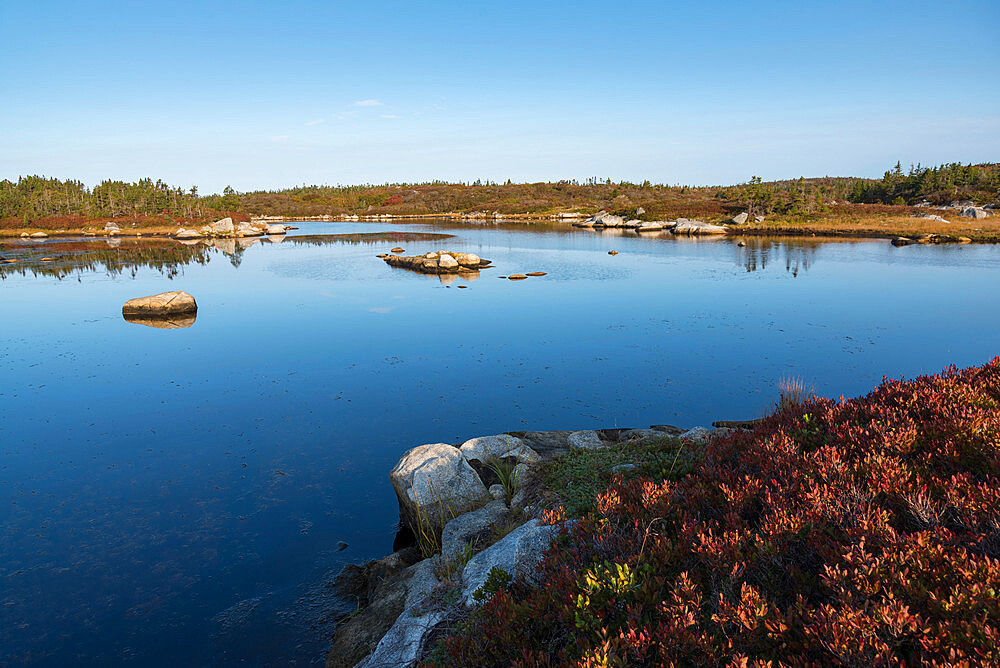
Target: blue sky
[[267, 94]]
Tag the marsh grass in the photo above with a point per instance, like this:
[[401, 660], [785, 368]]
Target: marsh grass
[[792, 391], [506, 472], [429, 524]]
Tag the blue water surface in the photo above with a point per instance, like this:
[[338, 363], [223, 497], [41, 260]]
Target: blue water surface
[[178, 497]]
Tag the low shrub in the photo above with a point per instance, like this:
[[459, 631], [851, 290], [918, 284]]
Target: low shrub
[[856, 532]]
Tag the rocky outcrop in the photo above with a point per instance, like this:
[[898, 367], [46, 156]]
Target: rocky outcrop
[[602, 219], [740, 218], [222, 227], [112, 228], [164, 304], [277, 229], [930, 216], [248, 230], [471, 529], [696, 227], [38, 235], [518, 553], [931, 239], [182, 233], [440, 262]]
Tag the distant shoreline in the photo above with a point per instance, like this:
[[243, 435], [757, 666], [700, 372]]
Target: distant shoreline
[[874, 227]]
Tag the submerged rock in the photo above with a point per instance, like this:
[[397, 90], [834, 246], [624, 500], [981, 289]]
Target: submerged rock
[[163, 304]]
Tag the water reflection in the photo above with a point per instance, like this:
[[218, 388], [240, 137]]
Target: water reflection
[[757, 252], [112, 256], [169, 322]]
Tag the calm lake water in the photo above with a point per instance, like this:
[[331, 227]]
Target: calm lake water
[[177, 497]]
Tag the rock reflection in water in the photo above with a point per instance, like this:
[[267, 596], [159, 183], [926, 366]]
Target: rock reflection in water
[[166, 322]]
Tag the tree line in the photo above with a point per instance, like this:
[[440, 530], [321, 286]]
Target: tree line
[[33, 198]]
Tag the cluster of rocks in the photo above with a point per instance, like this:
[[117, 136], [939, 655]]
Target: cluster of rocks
[[976, 212], [225, 228], [451, 490], [603, 219], [440, 262]]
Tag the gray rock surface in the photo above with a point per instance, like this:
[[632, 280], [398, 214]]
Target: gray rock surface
[[404, 642], [974, 212], [186, 234], [518, 553], [696, 227], [740, 218], [276, 229], [224, 226], [485, 448], [585, 440], [697, 434], [431, 480], [473, 527], [930, 216], [650, 226]]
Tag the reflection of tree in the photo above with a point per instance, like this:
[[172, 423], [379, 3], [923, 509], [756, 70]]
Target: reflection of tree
[[759, 251], [130, 255], [365, 238]]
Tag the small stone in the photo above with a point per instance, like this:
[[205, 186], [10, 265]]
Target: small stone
[[397, 249], [497, 491], [516, 277], [535, 273], [612, 252], [462, 287]]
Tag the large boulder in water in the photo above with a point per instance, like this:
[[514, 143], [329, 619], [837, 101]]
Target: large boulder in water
[[433, 482], [164, 304]]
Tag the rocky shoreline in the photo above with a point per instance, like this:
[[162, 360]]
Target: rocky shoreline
[[477, 513]]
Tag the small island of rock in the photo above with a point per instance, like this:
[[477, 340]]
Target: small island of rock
[[440, 262]]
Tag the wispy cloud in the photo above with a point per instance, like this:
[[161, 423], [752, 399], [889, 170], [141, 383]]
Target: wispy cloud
[[389, 116], [316, 122], [368, 103]]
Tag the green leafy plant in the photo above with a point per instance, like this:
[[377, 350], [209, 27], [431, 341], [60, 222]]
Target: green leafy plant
[[496, 580]]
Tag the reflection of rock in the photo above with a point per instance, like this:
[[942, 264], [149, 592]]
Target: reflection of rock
[[447, 279], [246, 242], [112, 227], [113, 243], [169, 322], [227, 246], [275, 239], [163, 304]]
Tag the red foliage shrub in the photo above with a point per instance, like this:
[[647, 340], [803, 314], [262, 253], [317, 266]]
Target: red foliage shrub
[[863, 532]]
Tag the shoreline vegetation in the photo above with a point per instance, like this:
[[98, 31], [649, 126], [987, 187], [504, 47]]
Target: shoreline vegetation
[[854, 532], [953, 200]]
